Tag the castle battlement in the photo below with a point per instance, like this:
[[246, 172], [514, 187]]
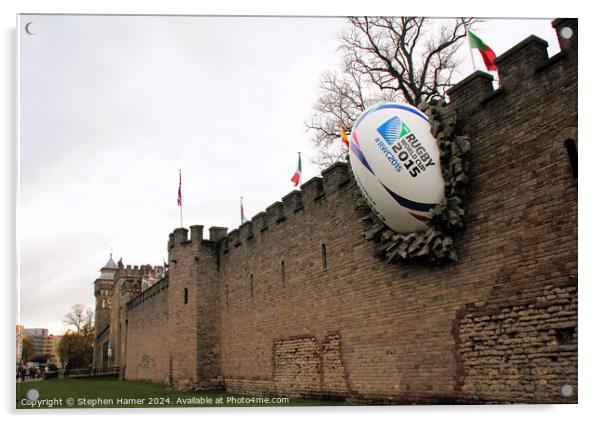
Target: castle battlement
[[136, 270], [147, 294], [314, 190], [517, 67]]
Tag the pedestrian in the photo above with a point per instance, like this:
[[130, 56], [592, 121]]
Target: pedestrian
[[22, 372]]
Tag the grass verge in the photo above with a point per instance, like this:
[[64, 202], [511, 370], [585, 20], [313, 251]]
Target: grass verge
[[112, 393]]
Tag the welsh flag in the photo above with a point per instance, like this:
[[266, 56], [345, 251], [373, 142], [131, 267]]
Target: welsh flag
[[486, 52], [297, 176]]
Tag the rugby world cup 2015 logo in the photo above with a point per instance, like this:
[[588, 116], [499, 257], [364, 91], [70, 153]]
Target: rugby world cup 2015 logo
[[393, 130]]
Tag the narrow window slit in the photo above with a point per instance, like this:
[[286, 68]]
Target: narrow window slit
[[571, 149]]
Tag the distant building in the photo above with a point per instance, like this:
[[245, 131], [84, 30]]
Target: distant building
[[45, 346], [38, 339], [117, 285]]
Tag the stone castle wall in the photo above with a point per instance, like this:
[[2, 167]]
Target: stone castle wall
[[147, 335], [296, 303]]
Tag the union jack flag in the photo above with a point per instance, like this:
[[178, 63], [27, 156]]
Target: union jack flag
[[180, 191]]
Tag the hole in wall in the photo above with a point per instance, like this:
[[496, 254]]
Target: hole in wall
[[565, 335]]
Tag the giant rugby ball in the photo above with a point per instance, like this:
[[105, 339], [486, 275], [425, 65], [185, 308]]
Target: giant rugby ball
[[395, 160]]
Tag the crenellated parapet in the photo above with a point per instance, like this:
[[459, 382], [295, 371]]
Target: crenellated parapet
[[523, 64], [334, 178], [567, 44], [260, 221], [312, 190], [292, 202], [275, 213], [521, 61], [217, 233], [518, 67], [317, 189], [149, 293], [469, 93], [130, 271]]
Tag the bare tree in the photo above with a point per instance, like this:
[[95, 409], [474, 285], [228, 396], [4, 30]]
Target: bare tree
[[88, 326], [383, 59], [78, 317], [344, 96]]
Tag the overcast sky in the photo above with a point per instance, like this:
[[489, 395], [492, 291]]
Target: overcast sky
[[112, 106]]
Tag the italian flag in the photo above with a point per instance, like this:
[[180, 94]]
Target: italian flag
[[297, 176], [486, 52]]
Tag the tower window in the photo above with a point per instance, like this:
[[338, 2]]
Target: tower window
[[185, 295], [324, 259], [252, 287], [282, 271], [571, 149], [227, 295]]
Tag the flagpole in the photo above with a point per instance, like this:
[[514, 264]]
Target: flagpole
[[474, 67], [301, 175]]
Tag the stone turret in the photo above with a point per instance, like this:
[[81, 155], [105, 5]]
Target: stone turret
[[102, 293], [193, 308]]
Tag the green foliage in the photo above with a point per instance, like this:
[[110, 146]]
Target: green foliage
[[76, 347], [29, 351], [112, 389], [76, 350]]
